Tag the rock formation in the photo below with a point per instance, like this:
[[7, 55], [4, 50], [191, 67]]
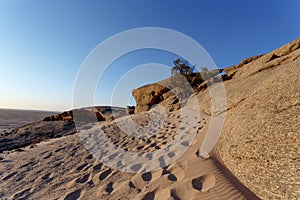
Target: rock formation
[[68, 115], [130, 110], [148, 95], [65, 116], [259, 142], [171, 91], [102, 113]]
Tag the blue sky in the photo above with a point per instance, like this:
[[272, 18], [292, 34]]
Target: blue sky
[[43, 43]]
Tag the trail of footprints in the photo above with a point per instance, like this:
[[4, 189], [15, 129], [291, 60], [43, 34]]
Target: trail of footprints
[[158, 138], [104, 175], [139, 182], [92, 173]]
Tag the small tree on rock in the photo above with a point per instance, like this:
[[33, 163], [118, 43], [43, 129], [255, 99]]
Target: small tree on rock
[[182, 67], [181, 76]]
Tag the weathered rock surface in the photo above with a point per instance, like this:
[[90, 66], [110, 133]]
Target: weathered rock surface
[[101, 113], [148, 95], [65, 116], [170, 92], [260, 139]]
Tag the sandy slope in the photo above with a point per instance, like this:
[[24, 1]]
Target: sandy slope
[[63, 169]]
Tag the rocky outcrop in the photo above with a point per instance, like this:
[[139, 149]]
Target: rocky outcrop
[[85, 114], [230, 71], [259, 142], [65, 116], [170, 92], [252, 65], [148, 95], [102, 113], [130, 110]]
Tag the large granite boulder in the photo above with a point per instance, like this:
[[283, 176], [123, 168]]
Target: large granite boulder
[[172, 91], [260, 139], [148, 95]]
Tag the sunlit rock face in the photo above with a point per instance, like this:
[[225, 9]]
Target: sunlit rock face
[[148, 95]]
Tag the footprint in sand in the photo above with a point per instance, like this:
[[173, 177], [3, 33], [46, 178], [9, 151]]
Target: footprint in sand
[[9, 176], [162, 162], [104, 174], [60, 149], [32, 163], [136, 167], [24, 194], [109, 188], [147, 176], [20, 177], [185, 143], [204, 183], [98, 167], [113, 156], [86, 168], [171, 154], [149, 196], [120, 164], [58, 164], [75, 149], [173, 194], [83, 179], [172, 177], [91, 183], [149, 156], [140, 147], [81, 167], [48, 156], [73, 195], [131, 184], [124, 144], [157, 147], [47, 177]]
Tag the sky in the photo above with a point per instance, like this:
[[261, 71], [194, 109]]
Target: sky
[[43, 44]]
